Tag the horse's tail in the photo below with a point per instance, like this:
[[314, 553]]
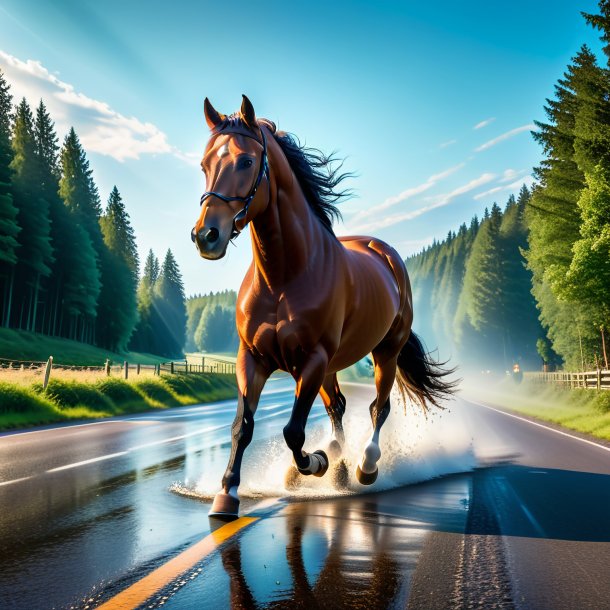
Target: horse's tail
[[421, 378]]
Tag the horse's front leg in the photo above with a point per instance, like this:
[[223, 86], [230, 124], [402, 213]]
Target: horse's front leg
[[308, 385], [251, 378]]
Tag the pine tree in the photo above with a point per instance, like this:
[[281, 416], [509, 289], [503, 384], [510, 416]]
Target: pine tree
[[169, 302], [9, 226], [80, 197], [36, 252], [118, 233], [554, 218], [117, 309], [480, 322]]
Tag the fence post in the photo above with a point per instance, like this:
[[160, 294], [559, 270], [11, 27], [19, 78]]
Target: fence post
[[157, 370], [138, 368], [126, 369], [599, 379], [171, 367], [47, 373], [107, 367]]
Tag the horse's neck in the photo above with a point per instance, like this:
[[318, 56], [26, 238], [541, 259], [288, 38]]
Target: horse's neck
[[287, 235]]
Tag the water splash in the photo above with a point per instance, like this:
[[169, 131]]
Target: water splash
[[414, 447]]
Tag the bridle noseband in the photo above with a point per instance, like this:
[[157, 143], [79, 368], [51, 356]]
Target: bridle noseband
[[263, 170]]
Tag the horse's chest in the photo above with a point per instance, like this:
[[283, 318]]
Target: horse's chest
[[285, 328]]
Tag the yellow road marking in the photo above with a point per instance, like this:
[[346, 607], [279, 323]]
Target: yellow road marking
[[144, 589]]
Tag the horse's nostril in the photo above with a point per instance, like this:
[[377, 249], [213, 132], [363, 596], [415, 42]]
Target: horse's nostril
[[193, 235], [212, 235]]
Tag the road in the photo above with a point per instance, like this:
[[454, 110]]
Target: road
[[475, 508]]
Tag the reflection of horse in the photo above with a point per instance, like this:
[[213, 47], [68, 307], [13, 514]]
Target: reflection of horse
[[349, 576], [311, 304]]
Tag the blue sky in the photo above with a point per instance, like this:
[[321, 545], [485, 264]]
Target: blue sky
[[431, 102]]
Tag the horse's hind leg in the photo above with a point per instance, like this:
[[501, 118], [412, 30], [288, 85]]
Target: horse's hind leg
[[385, 373], [334, 401]]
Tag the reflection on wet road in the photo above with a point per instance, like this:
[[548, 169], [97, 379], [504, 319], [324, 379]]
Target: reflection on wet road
[[85, 512], [72, 523]]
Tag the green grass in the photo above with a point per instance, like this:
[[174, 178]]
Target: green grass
[[23, 345], [585, 411], [65, 400]]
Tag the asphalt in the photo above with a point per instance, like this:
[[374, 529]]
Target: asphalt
[[515, 515]]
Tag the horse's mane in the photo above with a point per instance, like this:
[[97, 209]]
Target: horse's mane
[[318, 174]]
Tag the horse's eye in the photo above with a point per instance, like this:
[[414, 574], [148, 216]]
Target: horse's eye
[[245, 163]]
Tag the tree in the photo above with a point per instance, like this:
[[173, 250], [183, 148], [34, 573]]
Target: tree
[[118, 233], [80, 197], [169, 302], [554, 217], [9, 226], [36, 253], [117, 309]]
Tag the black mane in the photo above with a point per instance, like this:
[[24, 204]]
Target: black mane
[[318, 174]]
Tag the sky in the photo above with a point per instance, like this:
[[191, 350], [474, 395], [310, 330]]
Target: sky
[[431, 103]]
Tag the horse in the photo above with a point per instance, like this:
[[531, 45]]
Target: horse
[[311, 303]]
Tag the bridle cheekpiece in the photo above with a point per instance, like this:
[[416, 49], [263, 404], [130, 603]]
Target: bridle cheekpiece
[[263, 170]]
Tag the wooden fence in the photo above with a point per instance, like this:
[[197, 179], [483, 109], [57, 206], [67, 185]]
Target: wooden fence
[[591, 380], [125, 369]]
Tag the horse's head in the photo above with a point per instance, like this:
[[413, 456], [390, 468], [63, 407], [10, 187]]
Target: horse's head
[[234, 163]]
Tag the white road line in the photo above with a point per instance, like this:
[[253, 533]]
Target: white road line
[[14, 481], [153, 443], [91, 461], [533, 423], [66, 427]]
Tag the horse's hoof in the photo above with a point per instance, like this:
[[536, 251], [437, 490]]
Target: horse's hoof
[[224, 507], [292, 478], [340, 475], [334, 449], [323, 463], [366, 478]]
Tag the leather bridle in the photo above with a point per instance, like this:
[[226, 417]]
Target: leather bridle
[[263, 170]]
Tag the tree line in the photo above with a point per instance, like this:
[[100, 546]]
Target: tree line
[[211, 322], [69, 268], [535, 278], [472, 291]]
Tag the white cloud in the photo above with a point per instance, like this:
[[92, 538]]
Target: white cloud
[[484, 123], [514, 186], [405, 195], [447, 143], [436, 202], [101, 129], [496, 189], [505, 136]]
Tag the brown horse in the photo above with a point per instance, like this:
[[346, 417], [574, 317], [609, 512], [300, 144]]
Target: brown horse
[[310, 304]]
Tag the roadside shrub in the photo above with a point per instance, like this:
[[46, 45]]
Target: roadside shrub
[[157, 391], [122, 393], [602, 401], [18, 399], [69, 394]]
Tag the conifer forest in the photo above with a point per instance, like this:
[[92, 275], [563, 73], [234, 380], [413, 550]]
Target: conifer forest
[[530, 283], [69, 266]]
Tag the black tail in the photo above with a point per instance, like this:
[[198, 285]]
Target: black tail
[[421, 378]]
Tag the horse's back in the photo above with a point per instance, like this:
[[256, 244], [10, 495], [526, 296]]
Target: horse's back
[[369, 253]]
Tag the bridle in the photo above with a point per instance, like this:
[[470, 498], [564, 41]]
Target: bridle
[[263, 170]]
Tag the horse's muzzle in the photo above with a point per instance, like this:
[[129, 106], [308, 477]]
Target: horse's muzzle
[[208, 242]]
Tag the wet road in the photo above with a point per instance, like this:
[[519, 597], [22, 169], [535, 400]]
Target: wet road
[[85, 511]]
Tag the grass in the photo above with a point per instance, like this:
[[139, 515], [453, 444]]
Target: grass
[[586, 411], [70, 399], [23, 345]]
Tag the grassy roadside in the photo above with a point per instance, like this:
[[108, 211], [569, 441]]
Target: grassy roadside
[[586, 411], [23, 345], [65, 400]]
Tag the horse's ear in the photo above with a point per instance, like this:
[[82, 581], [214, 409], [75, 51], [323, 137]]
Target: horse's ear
[[212, 116], [247, 113]]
